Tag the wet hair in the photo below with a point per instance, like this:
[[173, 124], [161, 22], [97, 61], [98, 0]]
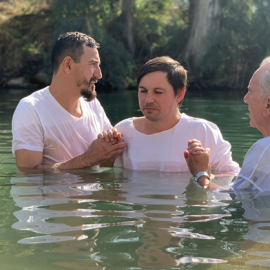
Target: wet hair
[[70, 44], [176, 74], [265, 79]]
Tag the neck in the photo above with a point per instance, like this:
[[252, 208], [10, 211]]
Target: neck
[[265, 132], [151, 127], [65, 94]]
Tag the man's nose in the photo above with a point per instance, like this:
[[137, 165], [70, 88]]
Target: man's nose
[[246, 98], [98, 73], [149, 98]]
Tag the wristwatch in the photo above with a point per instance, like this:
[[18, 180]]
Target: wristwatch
[[200, 174]]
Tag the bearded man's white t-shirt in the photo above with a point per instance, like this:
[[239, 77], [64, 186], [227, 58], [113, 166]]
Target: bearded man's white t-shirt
[[41, 124], [164, 151]]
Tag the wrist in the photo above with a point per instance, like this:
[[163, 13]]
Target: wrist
[[201, 178]]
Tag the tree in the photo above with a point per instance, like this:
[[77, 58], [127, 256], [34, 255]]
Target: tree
[[126, 19], [205, 19]]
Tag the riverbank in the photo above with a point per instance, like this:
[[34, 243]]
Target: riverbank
[[131, 32]]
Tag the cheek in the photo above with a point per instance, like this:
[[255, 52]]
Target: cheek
[[140, 99]]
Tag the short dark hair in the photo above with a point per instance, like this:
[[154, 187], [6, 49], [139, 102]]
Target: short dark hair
[[70, 44], [176, 74]]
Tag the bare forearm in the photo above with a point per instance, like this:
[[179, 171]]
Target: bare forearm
[[78, 162], [98, 152]]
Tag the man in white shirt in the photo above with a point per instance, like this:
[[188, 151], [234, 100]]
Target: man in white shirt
[[157, 140], [57, 127], [255, 172]]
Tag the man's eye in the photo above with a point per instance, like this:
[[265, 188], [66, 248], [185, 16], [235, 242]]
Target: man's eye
[[143, 91], [158, 93]]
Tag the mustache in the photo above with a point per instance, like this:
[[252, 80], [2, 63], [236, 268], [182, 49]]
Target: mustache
[[149, 105], [93, 79]]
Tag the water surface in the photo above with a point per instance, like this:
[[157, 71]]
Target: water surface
[[123, 219]]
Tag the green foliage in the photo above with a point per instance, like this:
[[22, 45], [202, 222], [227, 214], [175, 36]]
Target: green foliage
[[159, 27], [159, 24], [30, 47], [93, 17], [243, 41], [156, 32], [117, 64]]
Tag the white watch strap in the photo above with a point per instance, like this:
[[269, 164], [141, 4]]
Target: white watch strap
[[200, 174]]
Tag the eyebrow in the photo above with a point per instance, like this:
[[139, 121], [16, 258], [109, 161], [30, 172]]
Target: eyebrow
[[94, 61], [156, 88]]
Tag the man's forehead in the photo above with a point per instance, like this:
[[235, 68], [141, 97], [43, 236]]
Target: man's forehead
[[91, 52]]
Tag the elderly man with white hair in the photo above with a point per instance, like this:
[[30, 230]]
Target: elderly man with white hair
[[255, 173]]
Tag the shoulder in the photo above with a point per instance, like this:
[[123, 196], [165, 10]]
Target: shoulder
[[124, 125], [199, 122], [34, 99], [260, 146]]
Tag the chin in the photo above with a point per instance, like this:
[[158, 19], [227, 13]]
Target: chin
[[252, 124], [152, 118], [89, 94]]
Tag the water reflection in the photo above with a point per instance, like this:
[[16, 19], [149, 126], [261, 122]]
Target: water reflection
[[117, 214], [257, 212]]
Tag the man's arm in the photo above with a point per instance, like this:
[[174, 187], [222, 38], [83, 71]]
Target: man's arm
[[98, 152]]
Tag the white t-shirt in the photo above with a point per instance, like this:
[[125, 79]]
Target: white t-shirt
[[41, 124], [163, 151], [255, 172]]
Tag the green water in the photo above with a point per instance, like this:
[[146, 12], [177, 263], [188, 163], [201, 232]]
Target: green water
[[122, 219]]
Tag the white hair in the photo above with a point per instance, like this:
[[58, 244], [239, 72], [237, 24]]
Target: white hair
[[265, 79]]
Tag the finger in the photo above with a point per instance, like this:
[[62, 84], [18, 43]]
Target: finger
[[110, 135], [186, 155], [118, 146], [115, 132], [197, 149], [208, 151], [119, 138], [100, 136], [196, 153], [117, 152], [194, 145], [193, 141], [105, 135]]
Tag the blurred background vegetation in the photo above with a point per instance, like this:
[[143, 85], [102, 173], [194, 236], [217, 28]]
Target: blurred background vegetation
[[220, 42]]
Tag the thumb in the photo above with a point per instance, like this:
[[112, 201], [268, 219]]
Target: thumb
[[186, 155], [207, 150]]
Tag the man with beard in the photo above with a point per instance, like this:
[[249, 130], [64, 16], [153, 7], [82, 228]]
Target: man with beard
[[57, 127]]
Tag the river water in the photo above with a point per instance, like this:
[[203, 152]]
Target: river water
[[122, 219]]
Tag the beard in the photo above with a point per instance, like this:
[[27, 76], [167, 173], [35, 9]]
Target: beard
[[88, 91]]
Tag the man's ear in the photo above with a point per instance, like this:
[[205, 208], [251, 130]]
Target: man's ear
[[266, 112], [67, 64], [181, 95]]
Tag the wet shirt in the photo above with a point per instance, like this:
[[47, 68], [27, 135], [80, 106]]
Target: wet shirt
[[41, 124], [255, 172], [163, 151]]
